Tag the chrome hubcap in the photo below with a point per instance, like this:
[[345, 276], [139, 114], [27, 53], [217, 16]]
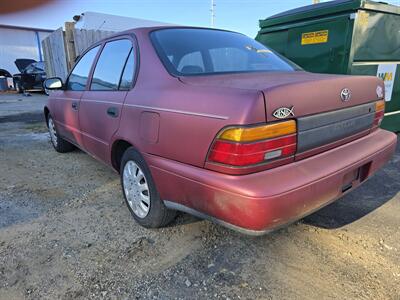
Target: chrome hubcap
[[136, 189], [52, 131]]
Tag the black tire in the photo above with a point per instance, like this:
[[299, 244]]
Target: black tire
[[59, 144], [158, 215]]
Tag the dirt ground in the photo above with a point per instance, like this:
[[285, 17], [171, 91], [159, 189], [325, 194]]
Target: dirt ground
[[66, 233]]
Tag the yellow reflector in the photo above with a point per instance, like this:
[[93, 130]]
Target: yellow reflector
[[380, 105], [249, 134]]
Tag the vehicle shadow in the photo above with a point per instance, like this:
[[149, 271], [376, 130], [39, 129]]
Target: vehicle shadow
[[374, 193], [183, 219]]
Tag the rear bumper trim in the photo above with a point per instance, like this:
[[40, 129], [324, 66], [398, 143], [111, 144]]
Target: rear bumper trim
[[196, 213], [251, 232]]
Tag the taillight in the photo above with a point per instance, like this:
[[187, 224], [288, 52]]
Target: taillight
[[379, 112], [248, 146]]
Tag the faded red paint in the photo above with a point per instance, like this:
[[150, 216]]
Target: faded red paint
[[173, 121]]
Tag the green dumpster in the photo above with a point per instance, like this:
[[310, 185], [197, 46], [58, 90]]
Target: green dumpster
[[358, 37]]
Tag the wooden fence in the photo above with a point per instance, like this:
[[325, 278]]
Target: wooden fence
[[61, 49], [55, 54]]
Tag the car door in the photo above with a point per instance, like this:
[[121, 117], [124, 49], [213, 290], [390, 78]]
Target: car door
[[67, 103], [101, 104]]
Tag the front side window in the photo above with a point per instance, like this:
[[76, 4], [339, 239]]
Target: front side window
[[78, 79], [109, 68], [188, 51]]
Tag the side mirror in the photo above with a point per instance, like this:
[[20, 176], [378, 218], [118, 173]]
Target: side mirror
[[54, 83]]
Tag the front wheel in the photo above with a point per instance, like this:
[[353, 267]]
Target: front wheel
[[59, 144], [140, 192]]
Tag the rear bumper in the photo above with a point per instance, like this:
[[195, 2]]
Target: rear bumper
[[263, 201]]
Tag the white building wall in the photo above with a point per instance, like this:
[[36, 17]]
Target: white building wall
[[18, 43]]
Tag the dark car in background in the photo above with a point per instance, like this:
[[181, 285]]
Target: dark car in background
[[31, 77]]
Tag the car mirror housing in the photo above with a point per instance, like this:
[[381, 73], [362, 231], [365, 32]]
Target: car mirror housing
[[54, 83]]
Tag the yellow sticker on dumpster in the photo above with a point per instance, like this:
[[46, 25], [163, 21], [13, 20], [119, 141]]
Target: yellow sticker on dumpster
[[316, 37]]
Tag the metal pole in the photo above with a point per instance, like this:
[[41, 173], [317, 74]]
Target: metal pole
[[212, 13], [39, 45]]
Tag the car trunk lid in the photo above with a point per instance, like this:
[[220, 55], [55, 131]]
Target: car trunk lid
[[308, 93], [325, 117], [328, 109]]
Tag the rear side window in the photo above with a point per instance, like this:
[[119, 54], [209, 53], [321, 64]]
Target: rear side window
[[78, 79], [109, 67]]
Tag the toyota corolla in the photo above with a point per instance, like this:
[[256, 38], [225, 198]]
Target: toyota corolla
[[212, 123]]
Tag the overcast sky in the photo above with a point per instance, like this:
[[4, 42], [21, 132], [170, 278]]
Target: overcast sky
[[237, 15]]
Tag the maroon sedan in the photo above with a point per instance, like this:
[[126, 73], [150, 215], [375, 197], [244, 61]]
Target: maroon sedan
[[214, 124]]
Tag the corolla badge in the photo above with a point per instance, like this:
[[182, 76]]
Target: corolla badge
[[345, 94], [283, 112]]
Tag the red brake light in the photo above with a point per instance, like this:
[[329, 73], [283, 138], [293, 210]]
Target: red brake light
[[237, 153]]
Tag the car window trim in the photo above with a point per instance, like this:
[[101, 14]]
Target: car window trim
[[119, 38], [135, 48], [99, 44], [123, 70]]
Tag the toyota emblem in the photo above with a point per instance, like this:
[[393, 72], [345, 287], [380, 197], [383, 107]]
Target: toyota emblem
[[345, 94]]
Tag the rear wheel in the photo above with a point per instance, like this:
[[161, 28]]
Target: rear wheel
[[59, 144], [140, 192]]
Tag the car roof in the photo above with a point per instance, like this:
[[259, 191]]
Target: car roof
[[139, 30]]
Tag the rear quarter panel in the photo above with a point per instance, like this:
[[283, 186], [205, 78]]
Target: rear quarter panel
[[179, 122]]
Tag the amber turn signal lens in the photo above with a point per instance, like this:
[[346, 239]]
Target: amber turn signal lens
[[379, 112], [250, 134], [380, 105]]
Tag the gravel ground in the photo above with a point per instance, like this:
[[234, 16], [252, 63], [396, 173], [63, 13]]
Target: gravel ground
[[66, 233]]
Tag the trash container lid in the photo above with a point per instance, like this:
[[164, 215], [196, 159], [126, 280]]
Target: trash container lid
[[327, 8]]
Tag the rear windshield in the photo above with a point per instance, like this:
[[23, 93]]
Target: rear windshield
[[188, 52]]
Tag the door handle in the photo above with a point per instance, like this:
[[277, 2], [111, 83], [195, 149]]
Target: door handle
[[112, 111], [74, 105]]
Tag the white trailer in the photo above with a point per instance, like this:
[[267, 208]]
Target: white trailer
[[90, 20]]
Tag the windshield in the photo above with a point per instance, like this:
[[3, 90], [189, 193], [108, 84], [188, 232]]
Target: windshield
[[187, 51], [36, 67], [39, 65]]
